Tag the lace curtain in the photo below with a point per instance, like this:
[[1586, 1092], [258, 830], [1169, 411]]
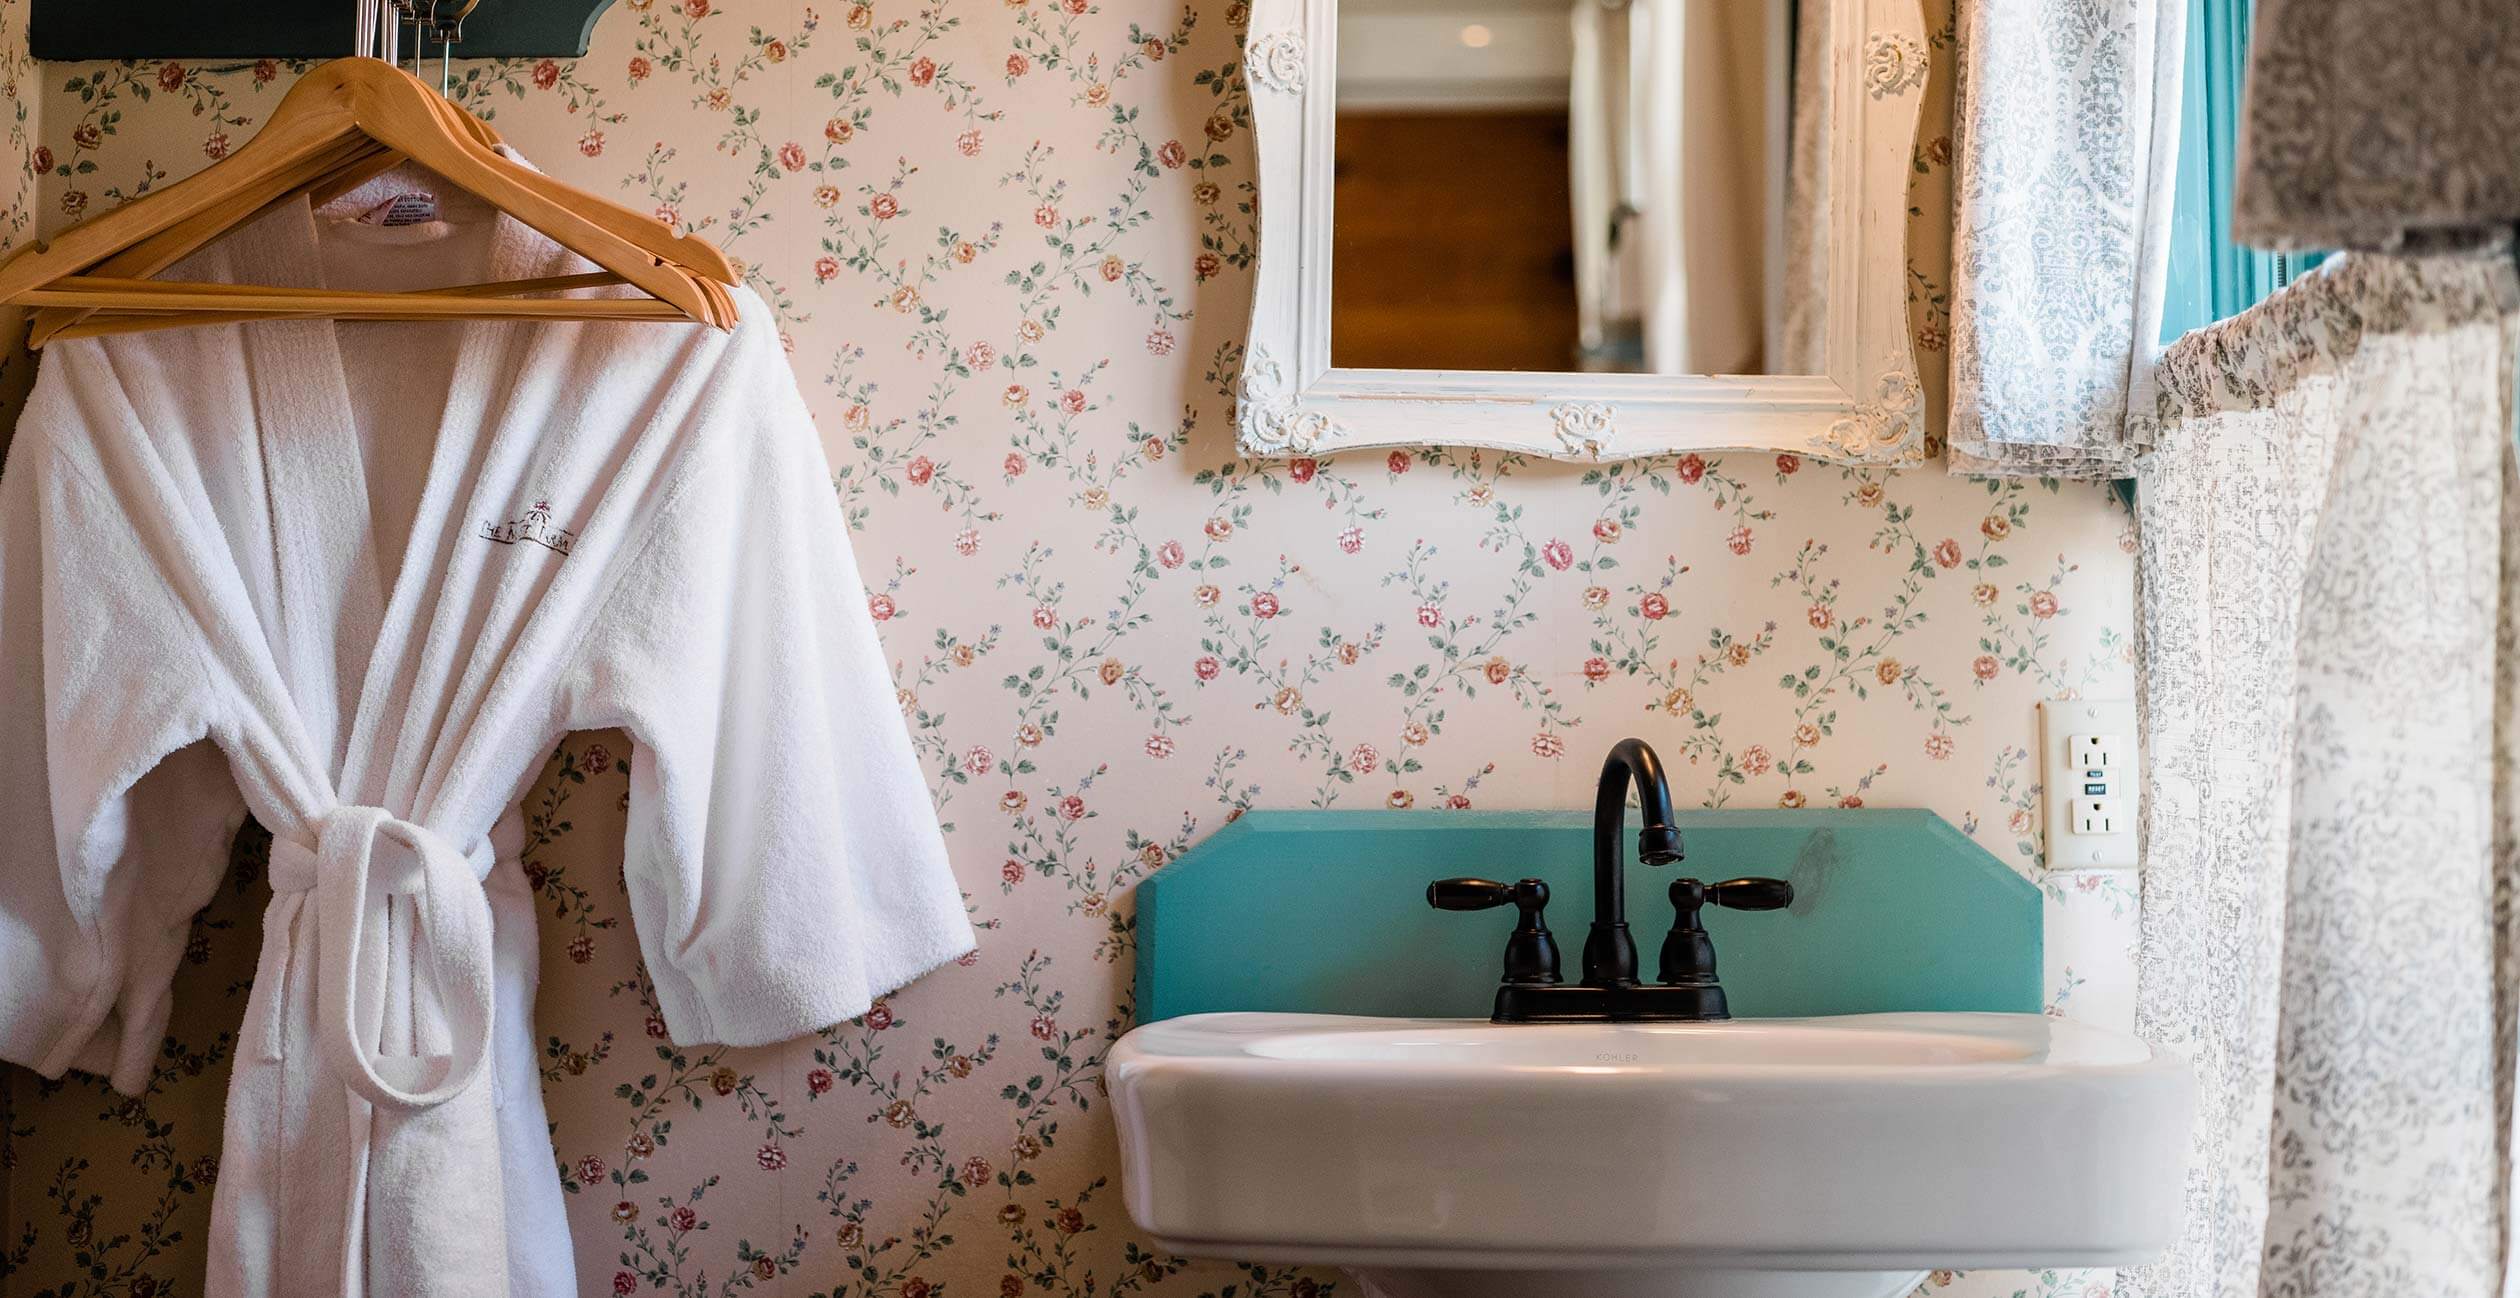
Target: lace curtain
[[2328, 523], [2066, 146], [2367, 122]]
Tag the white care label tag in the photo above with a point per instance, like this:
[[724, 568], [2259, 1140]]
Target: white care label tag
[[413, 208]]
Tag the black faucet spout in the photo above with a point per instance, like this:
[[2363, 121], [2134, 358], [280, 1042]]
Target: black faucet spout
[[1609, 950], [1610, 992]]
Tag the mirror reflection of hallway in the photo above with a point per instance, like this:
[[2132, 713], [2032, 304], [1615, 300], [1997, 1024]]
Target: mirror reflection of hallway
[[1569, 185]]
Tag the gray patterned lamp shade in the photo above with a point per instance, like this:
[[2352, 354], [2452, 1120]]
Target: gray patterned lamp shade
[[2370, 120]]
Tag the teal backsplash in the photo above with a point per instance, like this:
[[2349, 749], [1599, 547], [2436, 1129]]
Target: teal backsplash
[[1326, 911]]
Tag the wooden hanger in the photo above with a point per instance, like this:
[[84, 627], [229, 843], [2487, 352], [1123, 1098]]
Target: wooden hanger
[[696, 253], [715, 274], [362, 161], [343, 123], [384, 107]]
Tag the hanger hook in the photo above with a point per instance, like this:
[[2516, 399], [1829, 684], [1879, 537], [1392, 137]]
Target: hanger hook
[[406, 14], [446, 50], [375, 31], [449, 26]]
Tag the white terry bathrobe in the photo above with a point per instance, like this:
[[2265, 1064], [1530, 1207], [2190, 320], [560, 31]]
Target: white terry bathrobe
[[358, 580]]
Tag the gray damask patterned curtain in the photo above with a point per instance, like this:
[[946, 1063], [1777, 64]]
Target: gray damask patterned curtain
[[2368, 120], [2066, 146], [2329, 526]]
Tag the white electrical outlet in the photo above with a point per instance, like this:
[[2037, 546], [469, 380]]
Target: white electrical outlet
[[2087, 770], [2095, 752]]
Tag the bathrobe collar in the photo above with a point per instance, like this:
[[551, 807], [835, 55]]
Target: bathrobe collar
[[345, 609]]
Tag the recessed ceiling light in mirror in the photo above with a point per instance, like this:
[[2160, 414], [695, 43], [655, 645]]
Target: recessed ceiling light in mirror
[[1476, 36]]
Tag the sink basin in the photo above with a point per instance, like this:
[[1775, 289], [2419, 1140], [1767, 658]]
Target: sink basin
[[1778, 1158]]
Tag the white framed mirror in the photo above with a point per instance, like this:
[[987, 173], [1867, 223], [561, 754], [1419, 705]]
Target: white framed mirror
[[1584, 229]]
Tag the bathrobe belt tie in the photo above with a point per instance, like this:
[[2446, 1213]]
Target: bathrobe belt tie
[[339, 896]]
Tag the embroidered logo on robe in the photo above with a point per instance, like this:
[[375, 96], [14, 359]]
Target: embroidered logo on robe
[[535, 527]]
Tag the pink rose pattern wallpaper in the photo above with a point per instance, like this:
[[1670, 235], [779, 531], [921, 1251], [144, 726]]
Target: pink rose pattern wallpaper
[[1010, 243]]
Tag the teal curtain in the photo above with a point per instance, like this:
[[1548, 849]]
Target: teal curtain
[[2211, 277]]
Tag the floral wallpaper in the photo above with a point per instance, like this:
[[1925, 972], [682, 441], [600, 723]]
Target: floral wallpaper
[[1010, 242]]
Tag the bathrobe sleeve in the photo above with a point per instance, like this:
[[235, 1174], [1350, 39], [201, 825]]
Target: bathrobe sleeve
[[783, 857], [114, 816]]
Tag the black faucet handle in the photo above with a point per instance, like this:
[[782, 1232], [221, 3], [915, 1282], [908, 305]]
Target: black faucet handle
[[1751, 894], [1687, 895], [1531, 954], [1688, 954], [1478, 894]]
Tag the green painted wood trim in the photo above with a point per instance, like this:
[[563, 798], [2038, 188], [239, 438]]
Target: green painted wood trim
[[286, 29], [1326, 911]]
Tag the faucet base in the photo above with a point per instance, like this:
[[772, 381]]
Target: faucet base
[[1619, 1003]]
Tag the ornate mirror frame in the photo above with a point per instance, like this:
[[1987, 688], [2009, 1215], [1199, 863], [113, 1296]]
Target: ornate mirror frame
[[1866, 408]]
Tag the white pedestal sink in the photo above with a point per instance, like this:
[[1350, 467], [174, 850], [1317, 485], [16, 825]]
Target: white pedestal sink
[[1781, 1158]]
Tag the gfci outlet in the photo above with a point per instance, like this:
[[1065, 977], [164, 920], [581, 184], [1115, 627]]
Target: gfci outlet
[[2087, 771]]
